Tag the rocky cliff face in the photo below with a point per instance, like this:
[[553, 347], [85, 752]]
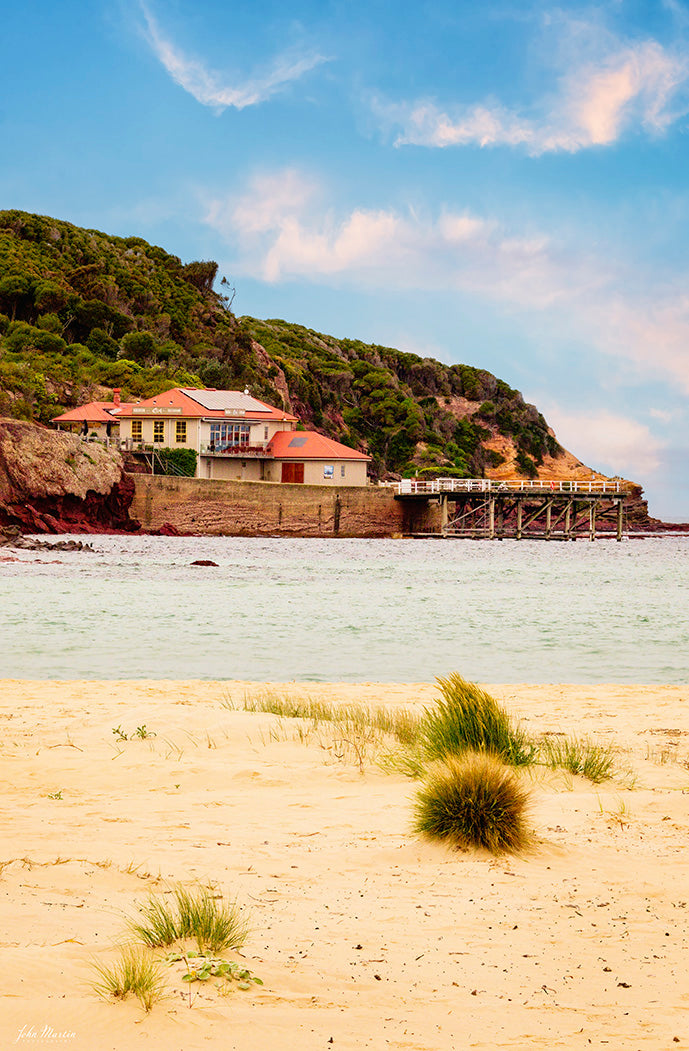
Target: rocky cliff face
[[52, 482]]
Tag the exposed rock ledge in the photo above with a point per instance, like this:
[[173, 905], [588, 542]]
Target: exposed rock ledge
[[52, 482]]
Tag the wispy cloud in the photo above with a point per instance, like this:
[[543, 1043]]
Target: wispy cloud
[[606, 440], [282, 229], [597, 98], [211, 88]]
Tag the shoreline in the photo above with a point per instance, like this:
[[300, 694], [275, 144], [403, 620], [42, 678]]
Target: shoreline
[[360, 931]]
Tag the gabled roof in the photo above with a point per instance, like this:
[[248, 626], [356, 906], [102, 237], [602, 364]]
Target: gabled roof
[[207, 404], [92, 412], [310, 445]]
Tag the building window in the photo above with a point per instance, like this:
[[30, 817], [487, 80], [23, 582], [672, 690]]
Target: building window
[[137, 434], [342, 471], [181, 431], [328, 470], [265, 433], [229, 435], [159, 431]]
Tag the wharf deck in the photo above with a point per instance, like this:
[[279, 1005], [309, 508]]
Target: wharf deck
[[481, 508]]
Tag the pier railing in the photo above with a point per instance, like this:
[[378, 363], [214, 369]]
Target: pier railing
[[427, 487]]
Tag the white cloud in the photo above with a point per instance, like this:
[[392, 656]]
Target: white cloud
[[597, 99], [283, 230], [210, 88], [607, 440], [664, 415]]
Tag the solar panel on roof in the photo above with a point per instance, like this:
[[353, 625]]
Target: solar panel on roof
[[217, 400], [298, 442]]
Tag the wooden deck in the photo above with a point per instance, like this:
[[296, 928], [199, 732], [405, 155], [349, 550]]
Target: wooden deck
[[485, 509]]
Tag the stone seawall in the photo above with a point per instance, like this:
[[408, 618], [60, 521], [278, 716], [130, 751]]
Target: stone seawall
[[211, 508]]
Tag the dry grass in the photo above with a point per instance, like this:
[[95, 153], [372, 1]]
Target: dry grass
[[465, 718], [579, 756], [135, 972], [474, 801]]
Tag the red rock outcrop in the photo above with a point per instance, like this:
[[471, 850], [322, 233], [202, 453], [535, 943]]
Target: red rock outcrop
[[52, 482]]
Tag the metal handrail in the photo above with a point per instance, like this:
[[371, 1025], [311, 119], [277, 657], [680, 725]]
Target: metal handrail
[[415, 486]]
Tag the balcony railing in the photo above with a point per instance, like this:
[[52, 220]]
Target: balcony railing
[[256, 451]]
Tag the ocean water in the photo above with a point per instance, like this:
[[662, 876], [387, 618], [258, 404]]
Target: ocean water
[[349, 610]]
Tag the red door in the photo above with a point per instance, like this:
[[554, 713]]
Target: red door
[[293, 472]]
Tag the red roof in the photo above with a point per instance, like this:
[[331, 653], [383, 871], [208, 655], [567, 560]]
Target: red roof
[[310, 445], [92, 412], [208, 404]]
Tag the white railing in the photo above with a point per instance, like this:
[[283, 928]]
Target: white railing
[[417, 487]]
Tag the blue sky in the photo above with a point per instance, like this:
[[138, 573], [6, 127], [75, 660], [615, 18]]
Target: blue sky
[[503, 185]]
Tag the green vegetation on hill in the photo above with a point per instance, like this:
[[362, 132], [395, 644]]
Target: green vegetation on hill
[[82, 312]]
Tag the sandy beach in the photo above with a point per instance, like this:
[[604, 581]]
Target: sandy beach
[[364, 936]]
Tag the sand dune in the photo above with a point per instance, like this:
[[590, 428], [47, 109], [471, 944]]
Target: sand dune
[[364, 936]]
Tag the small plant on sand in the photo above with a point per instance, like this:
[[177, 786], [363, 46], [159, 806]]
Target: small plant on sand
[[201, 967], [619, 816], [119, 733], [55, 795], [198, 914], [465, 719], [142, 733], [136, 972], [578, 756], [474, 801]]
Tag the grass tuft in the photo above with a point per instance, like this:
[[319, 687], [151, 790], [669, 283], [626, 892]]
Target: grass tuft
[[464, 719], [467, 719], [197, 914], [474, 801], [136, 972], [578, 756]]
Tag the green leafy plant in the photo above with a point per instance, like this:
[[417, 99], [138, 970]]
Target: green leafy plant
[[200, 968], [143, 733], [119, 733], [474, 801], [55, 795], [136, 972], [177, 461]]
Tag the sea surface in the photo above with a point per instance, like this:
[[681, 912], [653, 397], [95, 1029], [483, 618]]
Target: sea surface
[[348, 610]]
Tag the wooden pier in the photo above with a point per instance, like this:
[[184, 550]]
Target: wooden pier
[[483, 509]]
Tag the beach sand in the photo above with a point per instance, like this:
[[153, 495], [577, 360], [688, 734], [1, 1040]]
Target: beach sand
[[364, 936]]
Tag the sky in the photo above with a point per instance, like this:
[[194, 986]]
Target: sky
[[499, 184]]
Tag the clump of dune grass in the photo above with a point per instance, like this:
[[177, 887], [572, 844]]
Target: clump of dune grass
[[579, 756], [136, 971], [466, 718], [199, 914], [356, 733], [474, 801]]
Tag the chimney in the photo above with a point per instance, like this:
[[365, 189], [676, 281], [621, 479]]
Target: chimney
[[116, 397]]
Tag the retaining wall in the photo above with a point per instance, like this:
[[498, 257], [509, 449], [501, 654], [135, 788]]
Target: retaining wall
[[204, 507]]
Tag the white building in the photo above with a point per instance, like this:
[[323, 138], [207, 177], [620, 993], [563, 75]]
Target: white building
[[235, 436]]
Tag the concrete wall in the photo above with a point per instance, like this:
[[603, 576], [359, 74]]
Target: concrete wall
[[232, 468], [213, 508]]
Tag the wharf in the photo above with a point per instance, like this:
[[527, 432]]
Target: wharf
[[544, 509]]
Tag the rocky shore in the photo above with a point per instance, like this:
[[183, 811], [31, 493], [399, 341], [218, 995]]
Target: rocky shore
[[52, 482]]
